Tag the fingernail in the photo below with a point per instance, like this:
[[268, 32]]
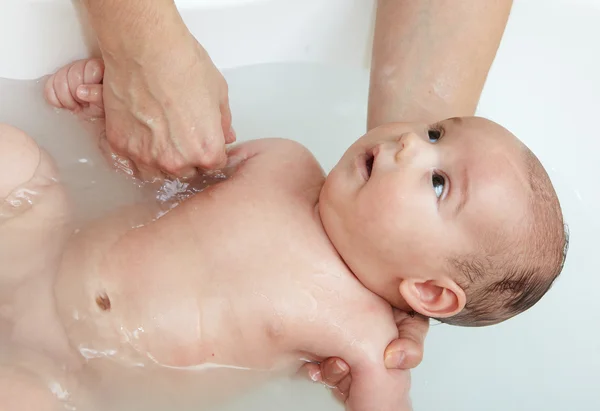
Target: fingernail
[[188, 174], [395, 359], [340, 368], [315, 375], [83, 92]]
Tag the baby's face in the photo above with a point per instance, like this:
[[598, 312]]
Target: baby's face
[[407, 197]]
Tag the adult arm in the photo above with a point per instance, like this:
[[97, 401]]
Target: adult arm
[[431, 57], [166, 103]]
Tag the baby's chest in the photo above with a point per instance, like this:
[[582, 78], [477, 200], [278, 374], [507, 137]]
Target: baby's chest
[[248, 236]]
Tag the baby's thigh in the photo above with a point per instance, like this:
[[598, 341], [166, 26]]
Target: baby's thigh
[[32, 380], [33, 206], [21, 391], [19, 158]]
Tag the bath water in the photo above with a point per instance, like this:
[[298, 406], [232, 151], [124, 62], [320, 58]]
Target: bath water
[[94, 186]]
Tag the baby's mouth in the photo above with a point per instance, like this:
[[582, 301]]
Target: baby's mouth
[[365, 163], [369, 164]]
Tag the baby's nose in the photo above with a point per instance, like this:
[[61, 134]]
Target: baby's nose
[[408, 143]]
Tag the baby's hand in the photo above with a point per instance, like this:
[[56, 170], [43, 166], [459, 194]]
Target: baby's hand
[[405, 353], [78, 87]]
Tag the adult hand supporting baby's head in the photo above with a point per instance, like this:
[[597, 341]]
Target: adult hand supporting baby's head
[[406, 352]]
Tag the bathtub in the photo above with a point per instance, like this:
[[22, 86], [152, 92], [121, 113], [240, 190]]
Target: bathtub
[[543, 86]]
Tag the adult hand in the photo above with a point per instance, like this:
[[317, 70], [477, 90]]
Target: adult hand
[[169, 111], [406, 352]]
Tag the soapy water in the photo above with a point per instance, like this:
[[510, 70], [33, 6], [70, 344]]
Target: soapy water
[[324, 108]]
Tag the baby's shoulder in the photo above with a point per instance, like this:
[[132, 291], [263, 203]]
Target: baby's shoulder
[[366, 320], [278, 162]]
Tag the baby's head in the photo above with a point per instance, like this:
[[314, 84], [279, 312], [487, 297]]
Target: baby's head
[[457, 221]]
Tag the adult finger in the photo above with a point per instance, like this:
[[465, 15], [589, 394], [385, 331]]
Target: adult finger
[[211, 155], [91, 93], [93, 71], [226, 122], [407, 351], [149, 174], [330, 374], [333, 371]]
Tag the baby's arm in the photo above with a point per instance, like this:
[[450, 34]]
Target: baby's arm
[[373, 386], [376, 388]]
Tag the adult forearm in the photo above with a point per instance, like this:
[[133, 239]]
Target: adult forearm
[[134, 27], [431, 57]]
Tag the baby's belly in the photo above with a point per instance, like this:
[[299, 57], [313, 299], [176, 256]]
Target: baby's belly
[[124, 298]]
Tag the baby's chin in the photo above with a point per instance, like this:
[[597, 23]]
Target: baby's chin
[[334, 191]]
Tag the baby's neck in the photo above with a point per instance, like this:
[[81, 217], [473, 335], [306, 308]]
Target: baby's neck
[[396, 301]]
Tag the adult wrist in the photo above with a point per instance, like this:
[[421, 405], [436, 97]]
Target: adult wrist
[[136, 29]]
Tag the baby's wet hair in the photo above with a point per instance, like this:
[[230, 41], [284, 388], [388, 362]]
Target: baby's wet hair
[[509, 276]]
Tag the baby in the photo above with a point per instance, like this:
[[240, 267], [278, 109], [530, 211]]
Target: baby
[[456, 221]]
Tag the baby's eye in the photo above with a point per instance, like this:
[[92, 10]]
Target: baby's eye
[[438, 182], [434, 134]]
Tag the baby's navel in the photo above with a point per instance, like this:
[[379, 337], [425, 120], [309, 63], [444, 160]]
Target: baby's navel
[[103, 302]]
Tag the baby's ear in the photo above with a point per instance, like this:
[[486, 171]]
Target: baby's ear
[[441, 298]]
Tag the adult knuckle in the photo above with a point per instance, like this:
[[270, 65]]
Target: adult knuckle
[[211, 154], [208, 146], [120, 145], [172, 165]]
